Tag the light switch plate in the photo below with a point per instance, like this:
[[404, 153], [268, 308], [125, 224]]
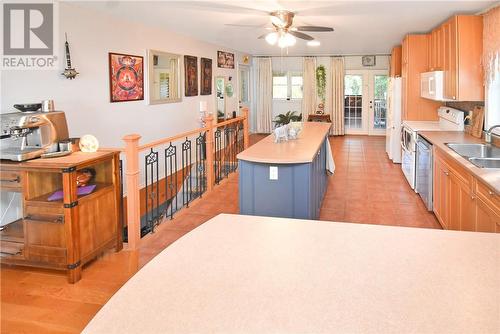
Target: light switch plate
[[273, 172]]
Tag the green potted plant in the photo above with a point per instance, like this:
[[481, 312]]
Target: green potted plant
[[321, 86], [290, 116]]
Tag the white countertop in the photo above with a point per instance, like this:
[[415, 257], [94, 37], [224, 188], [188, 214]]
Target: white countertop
[[490, 176], [247, 274], [300, 150]]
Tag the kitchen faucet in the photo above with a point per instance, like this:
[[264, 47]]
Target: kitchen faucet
[[488, 134]]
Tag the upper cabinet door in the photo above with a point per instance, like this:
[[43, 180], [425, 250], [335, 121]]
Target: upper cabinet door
[[450, 66]]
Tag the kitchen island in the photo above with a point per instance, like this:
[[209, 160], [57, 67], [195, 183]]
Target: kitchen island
[[286, 179], [248, 274]]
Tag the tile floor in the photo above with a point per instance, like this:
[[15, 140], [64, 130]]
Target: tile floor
[[366, 188]]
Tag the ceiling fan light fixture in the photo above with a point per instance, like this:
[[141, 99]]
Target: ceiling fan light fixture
[[272, 38], [313, 43], [286, 40], [277, 21]]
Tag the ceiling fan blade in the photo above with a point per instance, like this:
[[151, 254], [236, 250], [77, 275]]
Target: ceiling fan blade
[[244, 25], [314, 28], [301, 35], [263, 36]]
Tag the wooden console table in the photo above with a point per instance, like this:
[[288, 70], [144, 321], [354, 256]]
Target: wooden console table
[[319, 118], [68, 233]]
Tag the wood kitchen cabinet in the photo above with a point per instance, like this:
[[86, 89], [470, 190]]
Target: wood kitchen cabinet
[[441, 191], [414, 62], [68, 232], [395, 66], [461, 202], [455, 47]]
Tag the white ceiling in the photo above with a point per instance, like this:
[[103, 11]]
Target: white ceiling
[[361, 27]]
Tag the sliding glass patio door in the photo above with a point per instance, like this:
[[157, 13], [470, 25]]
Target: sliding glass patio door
[[365, 107]]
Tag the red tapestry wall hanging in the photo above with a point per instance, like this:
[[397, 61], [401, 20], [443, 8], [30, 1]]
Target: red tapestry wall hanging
[[126, 77], [206, 76], [190, 75]]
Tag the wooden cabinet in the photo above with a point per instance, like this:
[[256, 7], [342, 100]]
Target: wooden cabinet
[[63, 233], [487, 219], [395, 66], [462, 202], [415, 62], [441, 191], [455, 47]]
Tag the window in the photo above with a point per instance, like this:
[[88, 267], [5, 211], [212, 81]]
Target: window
[[280, 86], [164, 85], [287, 85], [493, 103], [296, 84]]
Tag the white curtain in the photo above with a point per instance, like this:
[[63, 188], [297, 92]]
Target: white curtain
[[335, 96], [309, 87], [264, 95]]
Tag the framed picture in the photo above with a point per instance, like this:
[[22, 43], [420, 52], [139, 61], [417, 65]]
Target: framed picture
[[206, 76], [126, 77], [225, 59], [368, 60], [190, 76]]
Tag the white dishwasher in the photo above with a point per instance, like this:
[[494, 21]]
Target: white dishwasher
[[424, 170]]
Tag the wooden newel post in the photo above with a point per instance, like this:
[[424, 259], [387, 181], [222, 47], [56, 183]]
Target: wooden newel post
[[209, 142], [246, 129], [133, 192]]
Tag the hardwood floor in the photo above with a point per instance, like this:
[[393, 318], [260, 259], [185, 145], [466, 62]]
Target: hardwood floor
[[366, 188]]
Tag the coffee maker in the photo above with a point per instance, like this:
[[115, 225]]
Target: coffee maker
[[28, 135]]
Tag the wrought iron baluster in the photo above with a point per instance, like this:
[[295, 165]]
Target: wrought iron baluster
[[122, 206], [152, 193], [186, 172], [217, 155], [171, 178], [200, 164]]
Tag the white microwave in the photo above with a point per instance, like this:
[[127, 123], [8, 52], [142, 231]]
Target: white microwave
[[432, 85]]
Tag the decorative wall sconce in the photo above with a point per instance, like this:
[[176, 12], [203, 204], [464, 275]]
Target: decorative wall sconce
[[69, 72]]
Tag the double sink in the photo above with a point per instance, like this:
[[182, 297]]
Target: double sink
[[481, 155]]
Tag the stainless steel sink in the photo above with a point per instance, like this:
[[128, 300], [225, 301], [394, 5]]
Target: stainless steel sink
[[475, 150], [486, 162]]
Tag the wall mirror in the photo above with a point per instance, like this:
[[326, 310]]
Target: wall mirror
[[220, 102], [164, 84]]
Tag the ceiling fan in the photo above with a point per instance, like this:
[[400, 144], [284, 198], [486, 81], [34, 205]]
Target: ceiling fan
[[285, 34]]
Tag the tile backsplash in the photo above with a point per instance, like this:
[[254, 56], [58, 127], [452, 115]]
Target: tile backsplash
[[464, 106]]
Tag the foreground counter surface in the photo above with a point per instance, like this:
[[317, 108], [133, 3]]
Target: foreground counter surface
[[296, 190], [249, 274]]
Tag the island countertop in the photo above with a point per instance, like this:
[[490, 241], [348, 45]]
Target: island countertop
[[249, 274], [301, 150]]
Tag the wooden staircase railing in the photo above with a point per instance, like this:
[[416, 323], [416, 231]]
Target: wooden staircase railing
[[132, 171]]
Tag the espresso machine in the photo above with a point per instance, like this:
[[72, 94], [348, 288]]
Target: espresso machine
[[28, 135]]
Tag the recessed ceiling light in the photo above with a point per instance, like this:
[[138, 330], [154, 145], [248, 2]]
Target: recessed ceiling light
[[313, 43]]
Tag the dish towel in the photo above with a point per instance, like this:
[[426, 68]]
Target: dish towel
[[330, 163]]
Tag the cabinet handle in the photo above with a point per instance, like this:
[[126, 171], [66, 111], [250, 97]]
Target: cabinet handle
[[16, 180], [45, 219], [472, 197], [446, 173], [491, 193]]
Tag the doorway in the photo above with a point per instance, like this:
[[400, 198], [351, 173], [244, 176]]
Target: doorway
[[365, 102], [244, 86]]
